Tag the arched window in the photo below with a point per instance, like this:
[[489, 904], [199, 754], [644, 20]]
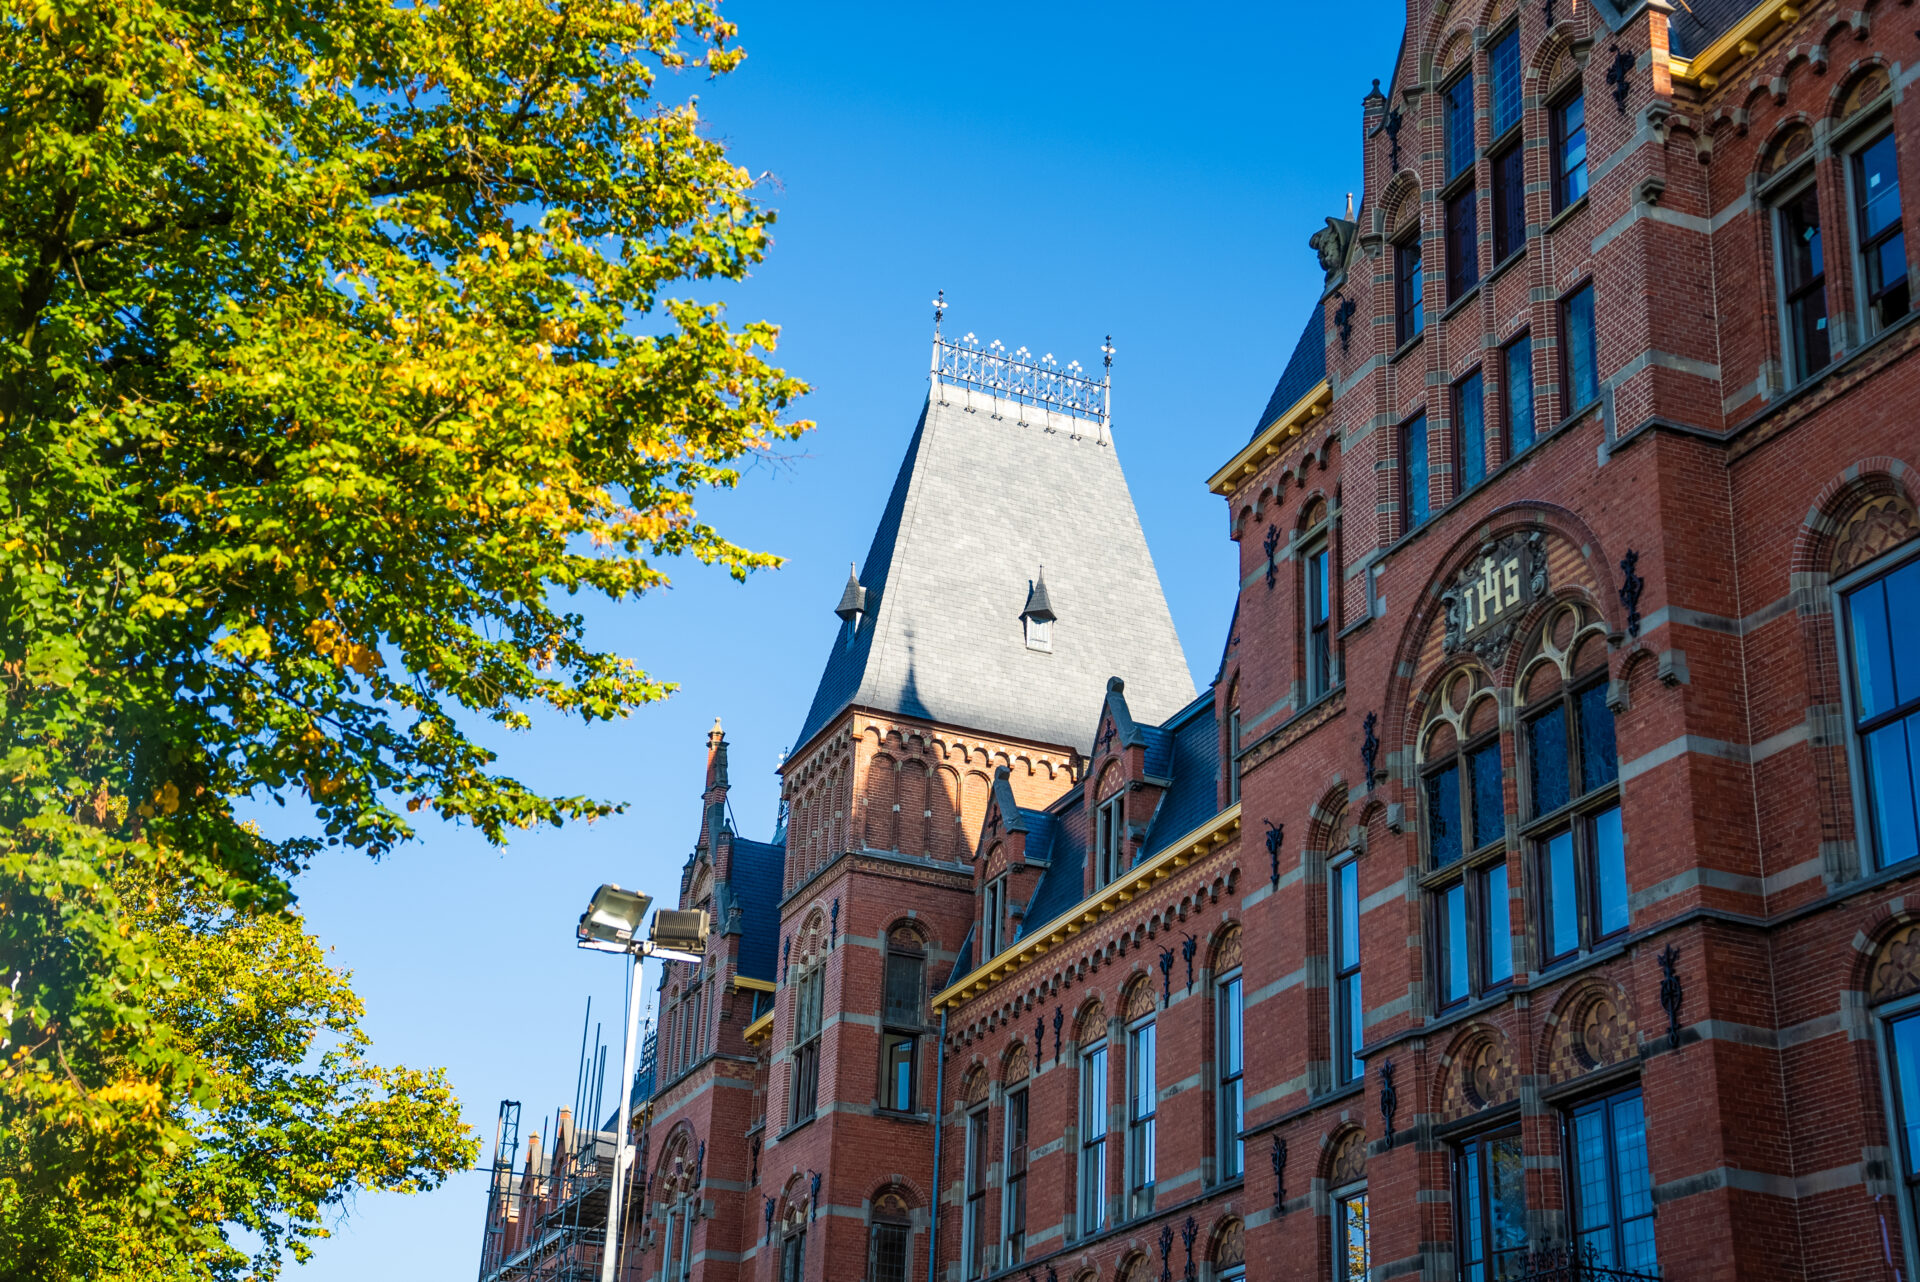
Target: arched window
[[1230, 1054], [1571, 789], [1230, 767], [1013, 1212], [1347, 1187], [1347, 1025], [1880, 599], [890, 1238], [803, 1096], [903, 1021], [1143, 1099], [976, 1259], [1465, 877], [1317, 581], [1092, 1039]]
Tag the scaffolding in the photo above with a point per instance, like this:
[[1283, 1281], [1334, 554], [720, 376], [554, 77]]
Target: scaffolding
[[547, 1219]]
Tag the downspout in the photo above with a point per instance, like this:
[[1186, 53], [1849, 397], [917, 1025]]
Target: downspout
[[939, 1126]]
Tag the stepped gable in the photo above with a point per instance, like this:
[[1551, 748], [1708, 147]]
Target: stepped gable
[[992, 490]]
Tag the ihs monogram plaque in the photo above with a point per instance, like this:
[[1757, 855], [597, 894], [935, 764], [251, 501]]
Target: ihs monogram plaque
[[1493, 591]]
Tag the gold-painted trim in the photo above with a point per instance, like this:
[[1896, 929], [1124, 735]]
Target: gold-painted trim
[[762, 1027], [1740, 41], [757, 985], [1215, 832], [1267, 442]]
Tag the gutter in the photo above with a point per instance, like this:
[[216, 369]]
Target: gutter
[[939, 1127]]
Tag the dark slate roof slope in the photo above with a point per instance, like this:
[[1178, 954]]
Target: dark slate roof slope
[[1696, 24], [963, 962], [1195, 794], [759, 869], [976, 510], [1305, 368], [1061, 884]]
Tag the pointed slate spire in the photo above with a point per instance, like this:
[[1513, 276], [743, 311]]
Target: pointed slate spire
[[1038, 604], [853, 601]]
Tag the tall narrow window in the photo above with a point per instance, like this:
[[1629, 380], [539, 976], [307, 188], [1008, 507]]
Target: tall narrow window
[[1351, 1262], [1466, 878], [973, 1230], [1013, 1219], [1457, 106], [1508, 150], [1316, 571], [1903, 1068], [993, 918], [1231, 767], [1469, 433], [1516, 382], [1232, 1060], [1409, 289], [1343, 931], [1492, 1182], [1413, 473], [1882, 618], [1110, 828], [1503, 73], [805, 1072], [793, 1256], [1580, 374], [1093, 1137], [890, 1239], [1463, 242], [1143, 1106], [903, 1020], [1612, 1191], [1574, 801], [1803, 282], [1883, 244], [1569, 151]]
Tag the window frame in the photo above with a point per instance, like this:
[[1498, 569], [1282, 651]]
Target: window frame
[[1875, 125], [1344, 1041], [1093, 1137], [1460, 219], [1013, 1198], [1342, 1198], [1142, 1154], [803, 1081], [1799, 179], [1509, 448], [1458, 434], [1576, 816], [1866, 835], [1885, 1016], [896, 1030], [1569, 1114], [973, 1226], [793, 1254], [1506, 146], [1471, 1162], [1470, 870], [1231, 768], [1230, 1074], [1408, 489], [879, 1222], [993, 917], [1110, 837], [1563, 200], [1409, 287], [1316, 611], [1570, 403]]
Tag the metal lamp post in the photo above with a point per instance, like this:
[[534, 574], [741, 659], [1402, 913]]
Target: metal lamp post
[[611, 924]]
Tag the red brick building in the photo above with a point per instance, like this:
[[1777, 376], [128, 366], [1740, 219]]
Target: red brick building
[[1533, 878]]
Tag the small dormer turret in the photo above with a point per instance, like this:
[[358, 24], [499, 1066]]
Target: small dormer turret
[[1038, 616], [853, 603]]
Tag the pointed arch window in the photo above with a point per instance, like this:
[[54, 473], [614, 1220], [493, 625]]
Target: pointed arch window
[[1466, 877]]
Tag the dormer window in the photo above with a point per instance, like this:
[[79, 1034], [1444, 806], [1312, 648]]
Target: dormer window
[[1038, 616], [852, 607]]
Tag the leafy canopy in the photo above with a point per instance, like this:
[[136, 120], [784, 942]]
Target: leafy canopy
[[337, 351]]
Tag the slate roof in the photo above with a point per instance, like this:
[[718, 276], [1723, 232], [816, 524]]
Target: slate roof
[[1305, 368], [1061, 885], [963, 961], [1698, 23], [1195, 794], [759, 869], [981, 501]]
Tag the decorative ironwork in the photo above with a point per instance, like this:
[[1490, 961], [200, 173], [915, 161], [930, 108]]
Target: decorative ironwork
[[1166, 975], [1576, 1263], [1022, 377], [1392, 125], [1631, 586], [1617, 77], [939, 310], [1389, 1099], [768, 1217], [1279, 1176], [1549, 8], [1188, 947], [1276, 834], [1272, 545], [813, 1196], [786, 959], [753, 1147], [1058, 1019], [1166, 1250], [1039, 1038], [1343, 321], [1188, 1232], [833, 926], [1370, 746], [1051, 1275], [700, 1165], [1672, 993]]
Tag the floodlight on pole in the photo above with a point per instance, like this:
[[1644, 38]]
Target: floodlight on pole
[[611, 924]]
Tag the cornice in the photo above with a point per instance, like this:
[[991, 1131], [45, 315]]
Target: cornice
[[1269, 440]]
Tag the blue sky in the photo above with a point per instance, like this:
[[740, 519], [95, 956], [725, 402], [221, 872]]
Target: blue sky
[[1063, 172]]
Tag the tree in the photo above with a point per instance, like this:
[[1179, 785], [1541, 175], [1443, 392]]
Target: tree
[[337, 351]]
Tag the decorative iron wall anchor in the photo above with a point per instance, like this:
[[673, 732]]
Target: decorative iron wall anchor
[[1039, 1040], [1272, 545], [1279, 1176], [1392, 125], [1617, 77], [1188, 1232], [1631, 586], [833, 926], [700, 1165], [1343, 321], [768, 1217], [1051, 1275], [786, 961], [1671, 994], [1370, 746], [753, 1147], [1166, 975], [813, 1196], [1166, 1250], [1276, 834], [1389, 1099], [1058, 1019], [1188, 947]]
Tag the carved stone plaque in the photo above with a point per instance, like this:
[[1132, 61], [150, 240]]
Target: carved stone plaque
[[1492, 591]]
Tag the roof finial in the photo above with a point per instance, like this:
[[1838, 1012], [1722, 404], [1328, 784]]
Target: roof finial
[[1349, 206], [1106, 351], [939, 311]]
